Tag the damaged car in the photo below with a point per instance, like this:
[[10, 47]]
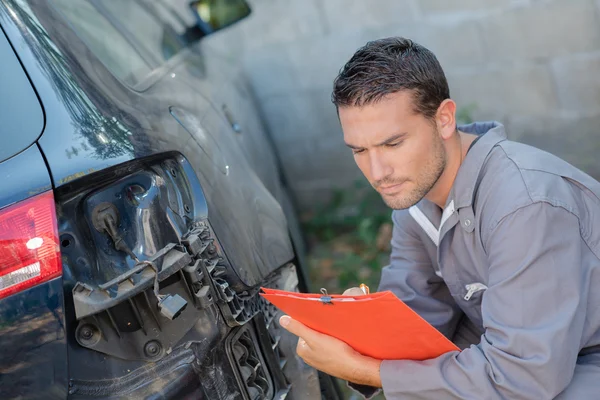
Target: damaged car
[[142, 207]]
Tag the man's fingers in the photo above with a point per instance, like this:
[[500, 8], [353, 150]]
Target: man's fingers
[[297, 328], [354, 292]]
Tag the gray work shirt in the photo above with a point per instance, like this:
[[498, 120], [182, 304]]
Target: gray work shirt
[[516, 251]]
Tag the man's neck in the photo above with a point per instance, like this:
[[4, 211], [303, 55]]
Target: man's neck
[[456, 154]]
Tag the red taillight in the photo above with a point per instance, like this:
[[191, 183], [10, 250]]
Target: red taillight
[[29, 251]]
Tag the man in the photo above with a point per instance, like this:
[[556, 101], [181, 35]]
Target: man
[[490, 236]]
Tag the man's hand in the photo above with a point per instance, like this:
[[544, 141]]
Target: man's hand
[[333, 356]]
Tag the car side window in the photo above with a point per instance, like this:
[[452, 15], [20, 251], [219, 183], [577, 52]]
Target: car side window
[[159, 40], [105, 41]]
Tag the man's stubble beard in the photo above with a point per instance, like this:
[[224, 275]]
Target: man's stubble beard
[[425, 181]]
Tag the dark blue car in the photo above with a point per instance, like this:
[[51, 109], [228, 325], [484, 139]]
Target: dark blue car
[[141, 210]]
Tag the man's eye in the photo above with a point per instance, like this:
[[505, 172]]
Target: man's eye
[[358, 151], [393, 144]]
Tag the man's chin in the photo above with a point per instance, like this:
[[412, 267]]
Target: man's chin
[[398, 202]]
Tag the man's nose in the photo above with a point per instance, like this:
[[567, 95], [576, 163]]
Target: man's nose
[[379, 168]]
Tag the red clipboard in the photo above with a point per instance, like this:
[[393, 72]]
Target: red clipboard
[[377, 325]]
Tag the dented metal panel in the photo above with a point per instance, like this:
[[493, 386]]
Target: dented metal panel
[[167, 227]]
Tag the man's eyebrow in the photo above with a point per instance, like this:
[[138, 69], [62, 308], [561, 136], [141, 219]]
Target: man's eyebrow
[[353, 147]]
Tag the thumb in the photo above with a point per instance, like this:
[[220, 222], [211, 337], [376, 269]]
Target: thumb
[[354, 291], [297, 328]]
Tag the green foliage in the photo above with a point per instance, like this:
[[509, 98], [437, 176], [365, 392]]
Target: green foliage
[[359, 209], [464, 115], [345, 238]]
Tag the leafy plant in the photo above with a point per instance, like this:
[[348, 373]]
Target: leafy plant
[[464, 115], [348, 239]]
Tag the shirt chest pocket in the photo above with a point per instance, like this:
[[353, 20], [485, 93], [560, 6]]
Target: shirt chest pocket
[[473, 288], [469, 300]]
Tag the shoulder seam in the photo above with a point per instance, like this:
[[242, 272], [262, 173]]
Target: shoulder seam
[[518, 207], [584, 237], [537, 198]]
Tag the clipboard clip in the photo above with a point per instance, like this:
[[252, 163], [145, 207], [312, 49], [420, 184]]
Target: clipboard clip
[[326, 298]]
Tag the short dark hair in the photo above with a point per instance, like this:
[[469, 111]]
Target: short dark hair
[[387, 66]]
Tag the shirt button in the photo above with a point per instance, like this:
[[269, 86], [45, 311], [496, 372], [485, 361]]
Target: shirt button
[[467, 222]]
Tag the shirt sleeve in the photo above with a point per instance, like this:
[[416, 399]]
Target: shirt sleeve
[[533, 314], [412, 278]]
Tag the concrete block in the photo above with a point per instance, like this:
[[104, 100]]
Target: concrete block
[[344, 15], [332, 159], [306, 64], [578, 83], [276, 21], [574, 139], [445, 6], [312, 171], [228, 42], [310, 195], [311, 158], [409, 30], [546, 29], [298, 115], [521, 91], [296, 156], [309, 140], [316, 63], [270, 71], [318, 166], [466, 49], [309, 198]]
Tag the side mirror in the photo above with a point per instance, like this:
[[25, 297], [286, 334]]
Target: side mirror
[[213, 15]]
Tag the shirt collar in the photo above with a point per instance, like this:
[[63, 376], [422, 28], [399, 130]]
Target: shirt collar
[[466, 180]]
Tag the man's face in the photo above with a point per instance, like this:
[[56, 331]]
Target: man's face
[[399, 151]]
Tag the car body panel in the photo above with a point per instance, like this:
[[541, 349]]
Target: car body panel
[[34, 356], [23, 176], [94, 122], [32, 326]]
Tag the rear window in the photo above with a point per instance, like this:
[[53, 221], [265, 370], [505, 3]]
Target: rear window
[[157, 39], [125, 35], [105, 41], [21, 116]]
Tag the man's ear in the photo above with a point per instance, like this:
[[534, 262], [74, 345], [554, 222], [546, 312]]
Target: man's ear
[[446, 119]]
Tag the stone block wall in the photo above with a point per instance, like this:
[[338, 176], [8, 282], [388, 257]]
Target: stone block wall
[[534, 65]]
